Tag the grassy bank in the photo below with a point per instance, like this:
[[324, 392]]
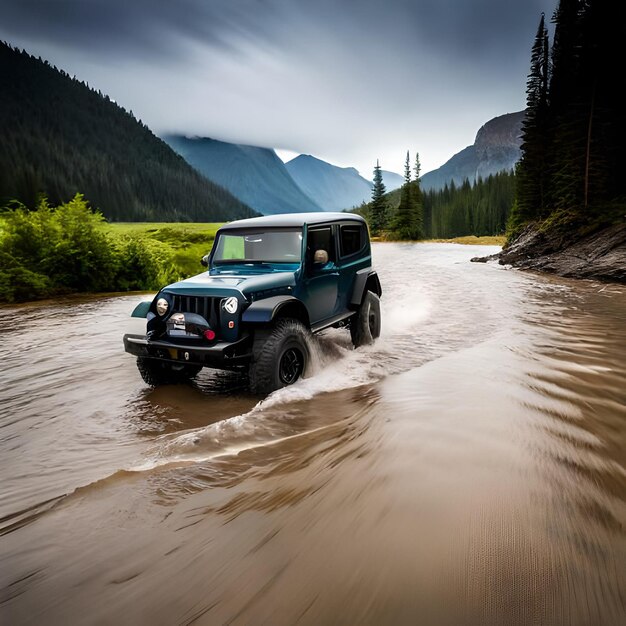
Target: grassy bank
[[469, 240], [473, 240]]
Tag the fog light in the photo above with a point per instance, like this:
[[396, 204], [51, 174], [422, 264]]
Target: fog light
[[209, 334]]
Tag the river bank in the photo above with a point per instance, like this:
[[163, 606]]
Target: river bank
[[599, 255]]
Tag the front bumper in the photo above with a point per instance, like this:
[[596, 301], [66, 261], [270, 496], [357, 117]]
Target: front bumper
[[221, 355]]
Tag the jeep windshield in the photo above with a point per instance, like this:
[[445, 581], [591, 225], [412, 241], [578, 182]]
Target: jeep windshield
[[258, 246]]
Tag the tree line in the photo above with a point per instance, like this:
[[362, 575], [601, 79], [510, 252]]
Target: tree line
[[480, 208], [573, 136], [59, 137]]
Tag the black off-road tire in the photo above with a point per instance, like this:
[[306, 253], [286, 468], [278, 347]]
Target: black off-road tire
[[280, 356], [155, 372], [365, 325]]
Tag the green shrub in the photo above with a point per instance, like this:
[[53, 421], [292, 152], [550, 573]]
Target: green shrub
[[18, 283], [142, 264], [64, 249]]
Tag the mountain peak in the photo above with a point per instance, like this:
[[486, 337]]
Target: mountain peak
[[502, 130], [332, 187], [496, 148], [255, 175], [316, 162]]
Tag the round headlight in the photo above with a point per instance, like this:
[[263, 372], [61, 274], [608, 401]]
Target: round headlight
[[161, 306], [231, 304]]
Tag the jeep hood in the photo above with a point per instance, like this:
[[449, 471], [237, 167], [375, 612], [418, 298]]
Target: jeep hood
[[223, 285]]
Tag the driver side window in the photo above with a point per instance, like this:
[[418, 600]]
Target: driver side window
[[318, 240]]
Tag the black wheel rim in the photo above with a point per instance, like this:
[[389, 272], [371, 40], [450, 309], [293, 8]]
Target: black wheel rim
[[291, 366], [372, 321]]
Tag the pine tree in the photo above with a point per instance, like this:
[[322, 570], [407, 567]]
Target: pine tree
[[403, 221], [378, 206], [531, 171], [407, 169], [420, 227], [408, 221], [566, 154]]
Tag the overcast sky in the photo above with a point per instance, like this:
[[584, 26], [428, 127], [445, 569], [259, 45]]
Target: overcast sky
[[347, 81]]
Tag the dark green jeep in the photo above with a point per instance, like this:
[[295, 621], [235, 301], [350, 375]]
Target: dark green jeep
[[271, 281]]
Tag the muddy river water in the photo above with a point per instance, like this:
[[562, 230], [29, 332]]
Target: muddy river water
[[469, 468]]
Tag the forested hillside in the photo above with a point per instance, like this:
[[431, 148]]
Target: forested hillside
[[59, 137], [479, 209]]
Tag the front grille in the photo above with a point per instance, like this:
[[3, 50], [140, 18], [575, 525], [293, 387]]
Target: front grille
[[202, 305]]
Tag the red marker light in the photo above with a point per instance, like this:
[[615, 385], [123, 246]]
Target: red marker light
[[209, 334]]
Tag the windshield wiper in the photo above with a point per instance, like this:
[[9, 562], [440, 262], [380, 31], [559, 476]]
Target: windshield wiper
[[250, 262]]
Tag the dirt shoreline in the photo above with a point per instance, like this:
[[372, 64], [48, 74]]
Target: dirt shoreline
[[600, 255]]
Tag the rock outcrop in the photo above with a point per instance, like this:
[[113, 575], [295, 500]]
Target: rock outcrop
[[599, 255]]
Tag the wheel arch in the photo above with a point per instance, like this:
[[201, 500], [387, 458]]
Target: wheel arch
[[365, 280], [278, 307]]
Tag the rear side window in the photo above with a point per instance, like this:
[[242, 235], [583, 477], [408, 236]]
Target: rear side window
[[351, 239]]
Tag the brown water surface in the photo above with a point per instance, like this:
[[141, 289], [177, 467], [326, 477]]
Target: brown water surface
[[469, 468]]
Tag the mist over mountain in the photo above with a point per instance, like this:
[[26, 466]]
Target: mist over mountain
[[255, 175], [333, 188], [496, 148], [60, 137]]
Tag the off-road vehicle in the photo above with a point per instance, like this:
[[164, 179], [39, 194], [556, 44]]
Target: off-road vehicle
[[270, 282]]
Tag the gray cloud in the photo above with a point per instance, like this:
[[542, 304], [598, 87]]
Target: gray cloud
[[120, 26], [141, 27]]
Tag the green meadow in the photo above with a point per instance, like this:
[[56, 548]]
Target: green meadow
[[184, 243]]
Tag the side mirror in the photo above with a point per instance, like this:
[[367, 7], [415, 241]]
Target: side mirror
[[141, 310], [205, 260]]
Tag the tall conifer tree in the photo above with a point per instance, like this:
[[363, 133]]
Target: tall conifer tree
[[531, 170], [408, 222], [378, 207], [566, 156]]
